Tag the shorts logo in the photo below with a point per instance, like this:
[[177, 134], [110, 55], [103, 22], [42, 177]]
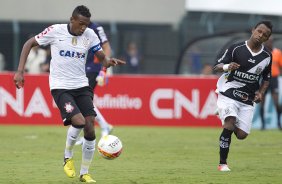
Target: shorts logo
[[69, 108], [227, 111]]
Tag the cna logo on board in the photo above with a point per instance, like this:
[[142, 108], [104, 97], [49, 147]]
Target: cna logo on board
[[37, 104], [181, 102]]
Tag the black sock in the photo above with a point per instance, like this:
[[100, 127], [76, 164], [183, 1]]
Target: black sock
[[278, 117], [224, 144], [262, 118]]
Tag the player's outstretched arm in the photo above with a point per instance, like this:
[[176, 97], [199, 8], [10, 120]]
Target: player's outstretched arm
[[19, 77], [108, 62], [226, 67]]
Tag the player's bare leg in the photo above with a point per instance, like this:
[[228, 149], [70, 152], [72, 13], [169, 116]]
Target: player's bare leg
[[106, 128]]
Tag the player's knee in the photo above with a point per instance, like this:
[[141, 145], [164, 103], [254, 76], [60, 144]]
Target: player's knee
[[229, 123], [241, 135], [78, 125], [78, 121], [89, 131]]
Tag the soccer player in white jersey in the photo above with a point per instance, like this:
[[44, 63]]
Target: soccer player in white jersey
[[68, 82], [95, 71], [247, 71]]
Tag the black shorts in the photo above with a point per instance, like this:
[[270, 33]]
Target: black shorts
[[74, 101], [273, 85], [92, 79]]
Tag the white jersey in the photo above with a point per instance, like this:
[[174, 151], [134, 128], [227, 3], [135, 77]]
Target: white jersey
[[68, 52]]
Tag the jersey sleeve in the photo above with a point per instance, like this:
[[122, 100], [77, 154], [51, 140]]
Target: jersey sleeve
[[102, 35], [226, 57], [266, 75], [47, 36], [95, 44]]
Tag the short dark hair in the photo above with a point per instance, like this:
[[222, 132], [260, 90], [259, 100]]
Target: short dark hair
[[267, 23], [81, 10]]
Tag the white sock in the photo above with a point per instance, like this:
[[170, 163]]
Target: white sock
[[72, 136], [100, 119], [88, 149]]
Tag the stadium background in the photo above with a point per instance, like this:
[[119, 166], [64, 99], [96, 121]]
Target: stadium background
[[167, 32]]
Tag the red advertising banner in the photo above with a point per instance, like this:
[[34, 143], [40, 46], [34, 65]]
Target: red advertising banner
[[31, 105], [125, 100]]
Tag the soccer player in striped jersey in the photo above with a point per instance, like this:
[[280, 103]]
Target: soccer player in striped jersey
[[68, 83], [247, 71]]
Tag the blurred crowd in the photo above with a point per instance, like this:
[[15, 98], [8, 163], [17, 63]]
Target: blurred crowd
[[38, 60]]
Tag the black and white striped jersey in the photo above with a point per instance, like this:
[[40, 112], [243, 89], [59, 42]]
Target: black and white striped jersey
[[241, 84]]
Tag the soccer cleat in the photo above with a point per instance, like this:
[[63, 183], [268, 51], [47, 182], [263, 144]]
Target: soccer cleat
[[79, 141], [216, 112], [223, 167], [69, 167], [107, 131], [86, 178]]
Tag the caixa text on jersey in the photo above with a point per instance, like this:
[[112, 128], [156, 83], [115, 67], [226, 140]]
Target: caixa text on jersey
[[73, 54]]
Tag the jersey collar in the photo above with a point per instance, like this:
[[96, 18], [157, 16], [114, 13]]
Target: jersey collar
[[254, 53]]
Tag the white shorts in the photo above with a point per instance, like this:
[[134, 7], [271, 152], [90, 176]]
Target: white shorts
[[243, 112]]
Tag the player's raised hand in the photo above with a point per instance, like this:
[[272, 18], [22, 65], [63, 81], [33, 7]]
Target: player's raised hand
[[19, 79], [233, 66], [115, 61], [258, 97]]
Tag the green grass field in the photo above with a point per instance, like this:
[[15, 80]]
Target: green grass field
[[157, 155]]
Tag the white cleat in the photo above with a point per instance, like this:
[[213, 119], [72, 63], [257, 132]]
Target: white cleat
[[223, 168], [107, 131], [216, 112], [79, 141]]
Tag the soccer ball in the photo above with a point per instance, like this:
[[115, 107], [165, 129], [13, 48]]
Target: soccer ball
[[110, 147]]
